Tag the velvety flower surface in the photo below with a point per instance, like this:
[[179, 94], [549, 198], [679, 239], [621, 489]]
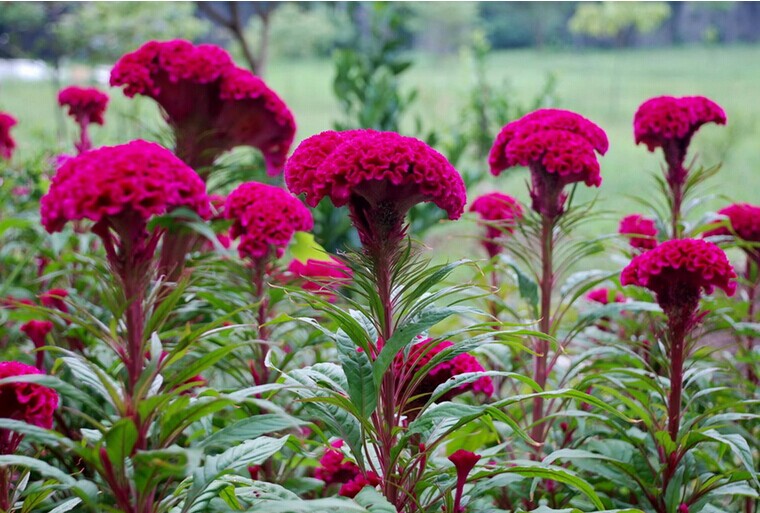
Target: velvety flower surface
[[640, 231], [743, 221], [558, 146], [376, 168], [138, 178], [85, 104], [265, 218], [334, 468], [500, 213], [7, 144], [29, 402], [420, 354], [212, 104], [679, 270], [605, 296], [666, 118]]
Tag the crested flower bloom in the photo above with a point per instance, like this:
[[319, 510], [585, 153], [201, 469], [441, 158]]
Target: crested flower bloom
[[320, 276], [27, 402], [669, 123], [7, 144], [499, 213], [678, 271], [640, 231], [558, 146], [605, 296], [334, 468], [743, 222], [211, 104], [115, 186], [464, 462], [54, 298], [379, 175], [86, 105], [265, 218], [405, 366], [37, 331]]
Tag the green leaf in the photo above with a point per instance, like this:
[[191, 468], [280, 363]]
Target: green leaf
[[120, 441], [67, 505], [304, 248], [738, 446], [374, 501], [152, 467], [527, 287], [249, 428], [358, 370], [35, 434], [36, 465], [558, 474]]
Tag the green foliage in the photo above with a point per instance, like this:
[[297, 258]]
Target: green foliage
[[617, 20]]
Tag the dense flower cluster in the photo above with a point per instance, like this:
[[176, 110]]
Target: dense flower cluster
[[28, 402], [663, 119], [138, 178], [86, 104], [320, 276], [335, 469], [743, 221], [211, 104], [265, 218], [640, 231], [7, 144], [559, 147], [500, 213], [421, 353], [679, 270], [605, 296]]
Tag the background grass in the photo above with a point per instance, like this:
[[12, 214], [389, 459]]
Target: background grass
[[606, 86]]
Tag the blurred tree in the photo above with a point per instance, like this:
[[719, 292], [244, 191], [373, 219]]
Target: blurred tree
[[522, 24], [442, 27], [103, 31], [618, 21], [234, 17]]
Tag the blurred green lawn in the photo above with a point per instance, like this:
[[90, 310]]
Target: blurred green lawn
[[605, 86]]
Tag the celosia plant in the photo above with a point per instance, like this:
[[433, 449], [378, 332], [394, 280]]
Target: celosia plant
[[37, 331], [7, 144], [86, 105], [320, 276], [640, 231], [499, 213], [605, 296], [670, 123], [211, 104]]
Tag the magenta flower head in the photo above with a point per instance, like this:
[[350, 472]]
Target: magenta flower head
[[678, 271], [743, 222], [558, 146], [321, 276], [54, 298], [27, 402], [499, 213], [265, 218], [640, 231], [7, 144], [669, 123], [211, 104], [605, 296], [379, 175], [37, 331], [419, 391], [464, 462], [86, 104], [334, 468]]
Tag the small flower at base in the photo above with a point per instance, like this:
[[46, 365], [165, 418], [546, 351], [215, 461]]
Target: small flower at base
[[683, 508], [464, 462], [640, 231], [54, 298], [743, 222], [38, 331], [500, 214], [321, 276], [604, 296]]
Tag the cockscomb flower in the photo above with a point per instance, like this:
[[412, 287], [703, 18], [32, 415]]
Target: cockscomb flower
[[211, 104], [27, 402], [743, 221], [37, 331], [420, 354], [605, 296], [500, 213], [558, 146], [115, 185], [678, 271], [7, 144], [464, 461], [640, 231], [320, 276], [265, 218], [379, 175], [54, 298], [86, 105], [334, 468], [669, 123]]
